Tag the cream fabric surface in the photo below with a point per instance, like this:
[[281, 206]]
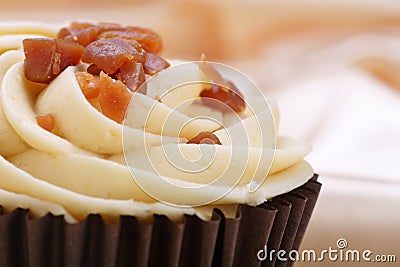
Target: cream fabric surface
[[353, 122]]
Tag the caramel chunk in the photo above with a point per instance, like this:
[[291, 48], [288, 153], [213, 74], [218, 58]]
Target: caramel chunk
[[45, 58], [132, 75], [112, 96], [85, 33], [81, 33], [154, 64], [110, 54], [88, 84], [223, 99], [149, 40], [205, 137], [210, 71], [93, 69], [222, 95], [46, 122]]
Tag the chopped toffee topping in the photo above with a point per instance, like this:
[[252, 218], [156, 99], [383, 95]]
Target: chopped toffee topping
[[46, 122], [45, 58], [118, 59], [93, 69], [150, 41], [85, 33], [113, 96], [132, 75], [105, 47], [110, 54], [222, 94], [222, 98], [205, 137], [154, 64]]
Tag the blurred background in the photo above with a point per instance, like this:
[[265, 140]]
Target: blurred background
[[332, 66]]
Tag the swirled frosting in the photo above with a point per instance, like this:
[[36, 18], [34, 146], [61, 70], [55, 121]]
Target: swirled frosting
[[81, 166]]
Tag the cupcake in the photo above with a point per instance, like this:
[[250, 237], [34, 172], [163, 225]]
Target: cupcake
[[112, 155]]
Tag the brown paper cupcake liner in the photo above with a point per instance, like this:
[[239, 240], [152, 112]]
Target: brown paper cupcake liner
[[50, 241]]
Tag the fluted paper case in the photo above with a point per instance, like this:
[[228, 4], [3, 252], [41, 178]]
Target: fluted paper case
[[279, 224]]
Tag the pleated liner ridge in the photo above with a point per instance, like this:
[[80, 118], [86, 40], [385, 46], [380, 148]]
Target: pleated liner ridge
[[220, 242]]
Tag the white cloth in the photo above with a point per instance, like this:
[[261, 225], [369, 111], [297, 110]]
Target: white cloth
[[352, 119]]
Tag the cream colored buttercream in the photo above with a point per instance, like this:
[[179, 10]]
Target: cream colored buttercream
[[81, 167]]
